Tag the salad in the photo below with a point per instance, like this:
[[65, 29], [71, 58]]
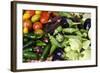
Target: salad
[[56, 36]]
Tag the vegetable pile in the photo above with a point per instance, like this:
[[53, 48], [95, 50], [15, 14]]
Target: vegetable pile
[[53, 36]]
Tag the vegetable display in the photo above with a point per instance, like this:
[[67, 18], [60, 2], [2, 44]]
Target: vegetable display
[[56, 36]]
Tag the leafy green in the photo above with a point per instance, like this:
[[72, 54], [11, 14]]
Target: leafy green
[[75, 44], [86, 54], [86, 44], [72, 55]]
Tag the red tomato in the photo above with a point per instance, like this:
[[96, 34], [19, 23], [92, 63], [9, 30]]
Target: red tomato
[[37, 25], [43, 20], [44, 17], [31, 12], [27, 24], [45, 14]]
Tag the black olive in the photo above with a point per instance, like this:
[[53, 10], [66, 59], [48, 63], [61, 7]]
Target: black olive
[[87, 24], [57, 55], [64, 22]]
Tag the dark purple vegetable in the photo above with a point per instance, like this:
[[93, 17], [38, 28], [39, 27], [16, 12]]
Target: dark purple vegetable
[[52, 25], [58, 54], [64, 22], [38, 49], [55, 19], [45, 39], [87, 24]]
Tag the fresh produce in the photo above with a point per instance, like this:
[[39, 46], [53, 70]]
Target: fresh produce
[[31, 12], [26, 16], [44, 17], [27, 24], [39, 32], [37, 25], [45, 53], [38, 49], [38, 12], [54, 44], [87, 24], [56, 36], [35, 18], [25, 30], [58, 54]]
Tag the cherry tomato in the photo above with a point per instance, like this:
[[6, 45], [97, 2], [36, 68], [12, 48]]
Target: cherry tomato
[[38, 12], [39, 32], [28, 24], [25, 30], [44, 17], [45, 14], [37, 25], [31, 12], [26, 16], [43, 20], [35, 18]]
